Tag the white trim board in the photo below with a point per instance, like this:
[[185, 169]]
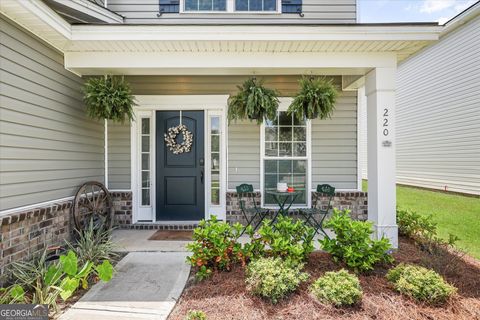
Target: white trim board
[[35, 205]]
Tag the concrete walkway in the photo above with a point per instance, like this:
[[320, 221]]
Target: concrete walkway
[[146, 285]]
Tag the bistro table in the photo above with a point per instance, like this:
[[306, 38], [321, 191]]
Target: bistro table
[[282, 198]]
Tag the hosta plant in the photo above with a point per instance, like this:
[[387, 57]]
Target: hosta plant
[[273, 278], [42, 282], [353, 244], [316, 99], [288, 239], [214, 246], [339, 288], [420, 283], [253, 101], [109, 97]]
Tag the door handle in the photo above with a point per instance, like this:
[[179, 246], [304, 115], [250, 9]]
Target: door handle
[[201, 176]]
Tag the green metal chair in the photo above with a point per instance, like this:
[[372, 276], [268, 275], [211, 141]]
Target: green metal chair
[[309, 214], [245, 192]]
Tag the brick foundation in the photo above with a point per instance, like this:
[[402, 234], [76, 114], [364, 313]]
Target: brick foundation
[[354, 201], [122, 206], [25, 234]]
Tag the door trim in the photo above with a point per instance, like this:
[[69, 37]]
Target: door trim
[[212, 105]]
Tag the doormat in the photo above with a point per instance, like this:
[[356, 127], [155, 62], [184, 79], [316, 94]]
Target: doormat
[[175, 235]]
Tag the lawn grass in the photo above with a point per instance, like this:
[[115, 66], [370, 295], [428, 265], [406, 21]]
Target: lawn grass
[[454, 214]]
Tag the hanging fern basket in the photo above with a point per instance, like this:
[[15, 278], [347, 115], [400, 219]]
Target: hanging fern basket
[[253, 101], [316, 99], [109, 97]]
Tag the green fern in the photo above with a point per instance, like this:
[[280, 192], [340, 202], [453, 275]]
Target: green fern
[[253, 101], [109, 97], [316, 99]]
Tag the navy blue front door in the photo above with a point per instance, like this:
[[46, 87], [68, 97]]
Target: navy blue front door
[[180, 177]]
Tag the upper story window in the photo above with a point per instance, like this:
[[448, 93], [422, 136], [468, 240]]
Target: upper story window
[[205, 5], [230, 6], [256, 5]]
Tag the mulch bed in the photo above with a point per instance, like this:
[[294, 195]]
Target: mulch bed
[[224, 296], [174, 235]]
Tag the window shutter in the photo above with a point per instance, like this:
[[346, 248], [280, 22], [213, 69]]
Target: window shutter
[[292, 6], [169, 6]]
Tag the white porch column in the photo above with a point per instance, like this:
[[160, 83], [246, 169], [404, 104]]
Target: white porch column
[[380, 92]]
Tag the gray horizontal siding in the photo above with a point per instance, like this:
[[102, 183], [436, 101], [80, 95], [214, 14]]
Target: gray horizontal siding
[[333, 144], [315, 11], [243, 154], [438, 114], [47, 145], [119, 166]]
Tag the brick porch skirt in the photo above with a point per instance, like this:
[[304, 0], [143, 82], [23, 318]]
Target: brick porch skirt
[[27, 233], [354, 201]]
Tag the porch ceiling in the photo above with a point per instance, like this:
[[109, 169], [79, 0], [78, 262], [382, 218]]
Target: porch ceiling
[[93, 43]]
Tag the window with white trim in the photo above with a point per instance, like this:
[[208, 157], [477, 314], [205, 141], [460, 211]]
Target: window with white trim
[[205, 5], [285, 156], [255, 5], [215, 160], [145, 162]]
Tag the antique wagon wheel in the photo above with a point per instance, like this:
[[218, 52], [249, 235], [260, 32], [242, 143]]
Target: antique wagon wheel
[[93, 203]]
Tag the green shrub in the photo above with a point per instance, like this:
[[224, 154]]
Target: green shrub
[[292, 241], [214, 246], [196, 315], [273, 278], [42, 282], [423, 230], [412, 224], [93, 244], [420, 283], [338, 288], [12, 294], [353, 244]]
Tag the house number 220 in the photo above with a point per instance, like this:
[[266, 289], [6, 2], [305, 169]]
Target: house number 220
[[385, 122]]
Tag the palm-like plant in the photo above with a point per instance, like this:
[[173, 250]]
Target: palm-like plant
[[316, 99], [109, 97], [253, 101]]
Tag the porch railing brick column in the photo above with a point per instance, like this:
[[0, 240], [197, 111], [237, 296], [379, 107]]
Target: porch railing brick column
[[380, 92]]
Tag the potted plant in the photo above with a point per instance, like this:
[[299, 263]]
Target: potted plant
[[109, 97], [253, 101], [316, 99]]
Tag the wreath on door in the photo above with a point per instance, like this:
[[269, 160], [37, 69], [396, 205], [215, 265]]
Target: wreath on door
[[171, 139]]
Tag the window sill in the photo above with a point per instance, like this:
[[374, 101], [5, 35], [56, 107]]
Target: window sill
[[240, 13]]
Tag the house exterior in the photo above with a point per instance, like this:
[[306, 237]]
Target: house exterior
[[441, 83], [183, 59]]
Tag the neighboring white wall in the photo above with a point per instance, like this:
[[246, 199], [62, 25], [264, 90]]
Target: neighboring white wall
[[362, 143], [48, 147], [438, 114]]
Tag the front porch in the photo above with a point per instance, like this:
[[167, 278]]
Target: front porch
[[177, 68]]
